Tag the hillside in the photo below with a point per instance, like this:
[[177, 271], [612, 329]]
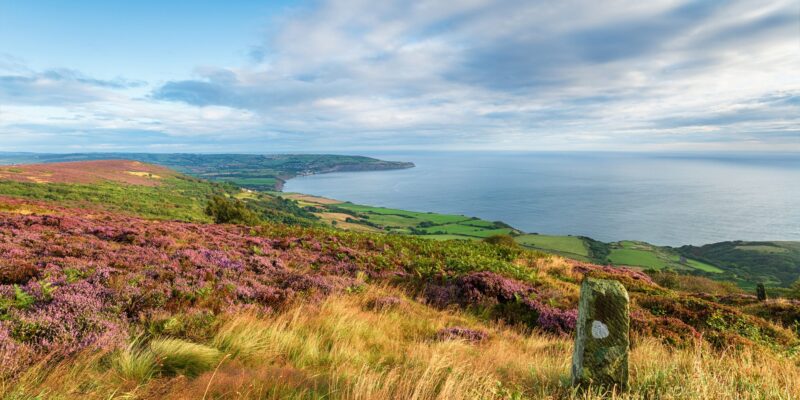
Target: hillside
[[344, 315], [773, 263], [252, 171], [136, 188], [109, 286]]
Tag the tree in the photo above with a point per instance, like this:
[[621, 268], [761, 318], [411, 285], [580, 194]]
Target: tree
[[231, 211], [794, 290]]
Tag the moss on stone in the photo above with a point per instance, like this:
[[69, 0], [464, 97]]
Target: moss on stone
[[602, 338]]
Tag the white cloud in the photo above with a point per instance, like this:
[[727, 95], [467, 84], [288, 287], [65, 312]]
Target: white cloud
[[470, 74]]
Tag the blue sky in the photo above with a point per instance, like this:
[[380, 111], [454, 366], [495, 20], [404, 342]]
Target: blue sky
[[360, 75]]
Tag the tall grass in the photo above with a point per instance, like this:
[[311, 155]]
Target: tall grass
[[176, 356], [135, 363], [344, 349]]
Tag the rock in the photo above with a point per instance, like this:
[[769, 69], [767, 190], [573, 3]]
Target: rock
[[602, 337], [461, 333], [385, 303], [761, 292]]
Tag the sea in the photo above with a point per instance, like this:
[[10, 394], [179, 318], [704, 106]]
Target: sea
[[668, 199]]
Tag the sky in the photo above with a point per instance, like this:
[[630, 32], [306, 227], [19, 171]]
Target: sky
[[365, 75]]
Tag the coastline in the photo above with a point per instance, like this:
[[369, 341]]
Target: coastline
[[709, 260], [280, 180]]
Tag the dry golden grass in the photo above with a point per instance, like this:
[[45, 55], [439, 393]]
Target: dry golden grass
[[309, 199], [344, 349], [341, 222]]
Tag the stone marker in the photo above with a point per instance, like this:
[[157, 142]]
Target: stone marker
[[601, 335], [761, 292]]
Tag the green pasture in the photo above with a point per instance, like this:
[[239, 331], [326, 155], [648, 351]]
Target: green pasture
[[561, 244]]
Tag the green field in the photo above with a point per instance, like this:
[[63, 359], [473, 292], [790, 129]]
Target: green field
[[466, 230], [566, 245], [250, 182], [390, 220], [775, 263], [703, 266], [640, 258], [648, 256], [450, 227], [447, 237], [410, 215]]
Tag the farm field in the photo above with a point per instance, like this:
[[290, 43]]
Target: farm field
[[645, 255], [356, 217], [427, 225], [570, 246], [770, 262]]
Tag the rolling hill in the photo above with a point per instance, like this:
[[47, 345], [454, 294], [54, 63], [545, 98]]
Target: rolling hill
[[252, 171], [773, 263], [115, 283]]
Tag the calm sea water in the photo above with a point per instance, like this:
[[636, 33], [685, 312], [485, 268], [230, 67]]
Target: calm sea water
[[665, 199]]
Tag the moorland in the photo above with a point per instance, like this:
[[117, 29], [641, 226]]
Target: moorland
[[126, 279], [775, 264]]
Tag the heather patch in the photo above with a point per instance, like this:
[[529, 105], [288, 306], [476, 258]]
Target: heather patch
[[80, 280], [505, 298]]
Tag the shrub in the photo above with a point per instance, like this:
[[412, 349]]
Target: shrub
[[175, 356], [230, 211], [692, 283], [17, 273], [501, 240], [794, 290], [506, 298], [21, 299]]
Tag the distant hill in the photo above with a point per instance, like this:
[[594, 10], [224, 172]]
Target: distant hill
[[774, 263], [252, 171]]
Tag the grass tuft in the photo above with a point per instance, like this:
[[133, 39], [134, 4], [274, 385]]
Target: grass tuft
[[175, 356], [243, 337], [134, 363]]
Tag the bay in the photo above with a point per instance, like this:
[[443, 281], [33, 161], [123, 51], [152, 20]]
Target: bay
[[665, 199]]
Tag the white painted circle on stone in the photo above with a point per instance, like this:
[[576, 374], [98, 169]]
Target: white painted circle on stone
[[599, 330]]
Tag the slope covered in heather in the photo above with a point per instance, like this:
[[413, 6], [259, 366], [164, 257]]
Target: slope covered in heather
[[287, 311], [136, 188]]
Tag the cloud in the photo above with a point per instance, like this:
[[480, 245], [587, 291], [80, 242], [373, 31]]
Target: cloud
[[54, 86], [470, 74]]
